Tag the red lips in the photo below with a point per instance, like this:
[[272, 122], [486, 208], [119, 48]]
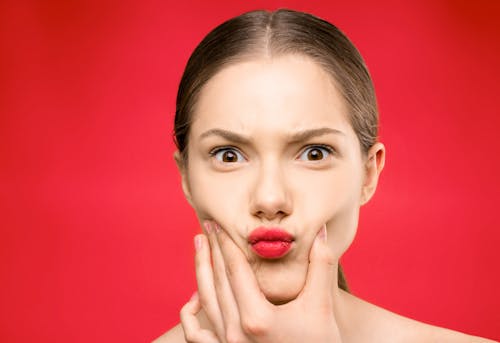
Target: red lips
[[270, 243]]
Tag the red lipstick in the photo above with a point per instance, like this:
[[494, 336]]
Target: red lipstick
[[270, 242]]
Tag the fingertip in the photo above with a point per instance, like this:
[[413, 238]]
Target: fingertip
[[322, 271], [220, 235], [198, 242], [319, 242], [322, 235], [217, 228], [208, 226], [211, 234]]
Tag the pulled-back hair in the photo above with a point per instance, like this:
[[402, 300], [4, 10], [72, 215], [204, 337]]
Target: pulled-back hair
[[272, 34]]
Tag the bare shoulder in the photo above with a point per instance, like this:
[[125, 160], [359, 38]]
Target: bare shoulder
[[375, 324], [366, 322], [174, 335]]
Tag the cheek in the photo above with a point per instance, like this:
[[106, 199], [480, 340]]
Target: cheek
[[332, 197], [217, 196], [326, 193]]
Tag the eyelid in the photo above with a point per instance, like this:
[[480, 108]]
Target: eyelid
[[217, 149], [324, 146]]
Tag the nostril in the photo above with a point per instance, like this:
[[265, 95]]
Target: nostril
[[271, 215], [269, 197]]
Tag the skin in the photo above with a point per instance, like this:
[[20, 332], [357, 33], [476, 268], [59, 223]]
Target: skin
[[271, 145]]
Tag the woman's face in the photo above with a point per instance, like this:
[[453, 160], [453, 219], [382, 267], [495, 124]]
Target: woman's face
[[270, 146]]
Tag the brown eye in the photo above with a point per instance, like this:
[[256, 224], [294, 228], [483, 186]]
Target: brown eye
[[315, 153], [228, 156]]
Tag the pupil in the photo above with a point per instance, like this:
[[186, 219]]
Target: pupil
[[229, 156], [315, 154]]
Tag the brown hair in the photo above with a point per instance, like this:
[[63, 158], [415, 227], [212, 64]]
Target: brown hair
[[263, 33]]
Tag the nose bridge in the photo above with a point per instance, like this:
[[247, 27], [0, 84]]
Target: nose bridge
[[271, 196]]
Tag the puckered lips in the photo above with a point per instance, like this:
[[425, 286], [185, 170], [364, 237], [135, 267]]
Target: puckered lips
[[270, 242]]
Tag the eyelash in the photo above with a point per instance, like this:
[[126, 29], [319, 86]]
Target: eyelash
[[213, 153], [328, 148]]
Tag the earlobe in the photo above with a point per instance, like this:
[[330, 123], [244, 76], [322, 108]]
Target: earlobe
[[374, 165], [181, 166]]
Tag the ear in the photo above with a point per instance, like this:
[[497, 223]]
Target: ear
[[181, 165], [373, 167]]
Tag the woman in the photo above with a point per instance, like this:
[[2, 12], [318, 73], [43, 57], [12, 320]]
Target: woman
[[276, 127]]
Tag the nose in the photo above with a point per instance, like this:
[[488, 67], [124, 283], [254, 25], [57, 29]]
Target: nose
[[270, 196]]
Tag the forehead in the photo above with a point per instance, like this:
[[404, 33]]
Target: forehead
[[281, 93]]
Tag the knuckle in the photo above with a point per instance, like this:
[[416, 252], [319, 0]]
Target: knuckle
[[198, 261], [324, 310], [189, 336], [219, 277], [231, 268], [184, 310], [330, 260], [254, 325], [327, 258]]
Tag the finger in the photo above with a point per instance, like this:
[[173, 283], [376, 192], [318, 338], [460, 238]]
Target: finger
[[251, 301], [322, 272], [193, 333], [206, 286], [225, 296]]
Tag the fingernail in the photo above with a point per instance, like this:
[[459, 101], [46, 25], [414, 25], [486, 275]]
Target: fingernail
[[208, 227], [194, 296], [322, 234], [217, 228], [197, 242]]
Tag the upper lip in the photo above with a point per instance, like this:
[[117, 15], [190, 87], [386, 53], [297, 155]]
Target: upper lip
[[269, 234]]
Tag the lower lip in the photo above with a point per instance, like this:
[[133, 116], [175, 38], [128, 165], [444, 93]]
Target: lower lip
[[271, 249]]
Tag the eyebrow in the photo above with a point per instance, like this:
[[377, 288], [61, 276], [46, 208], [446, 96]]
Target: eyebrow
[[299, 136], [228, 135], [310, 133]]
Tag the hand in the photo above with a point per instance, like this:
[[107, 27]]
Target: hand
[[238, 310]]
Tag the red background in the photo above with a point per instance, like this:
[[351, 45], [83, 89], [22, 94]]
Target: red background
[[96, 238]]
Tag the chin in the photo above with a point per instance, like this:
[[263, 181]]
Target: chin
[[280, 298], [280, 287]]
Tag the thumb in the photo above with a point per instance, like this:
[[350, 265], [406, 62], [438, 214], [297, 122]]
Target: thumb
[[322, 271]]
